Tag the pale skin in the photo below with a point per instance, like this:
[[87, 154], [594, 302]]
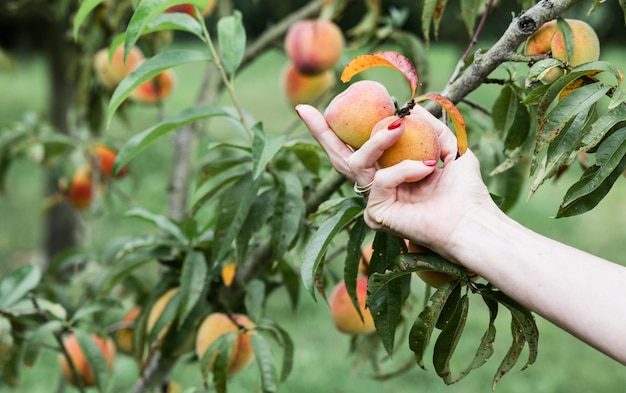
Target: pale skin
[[449, 210]]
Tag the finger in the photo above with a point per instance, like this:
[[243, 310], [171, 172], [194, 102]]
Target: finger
[[447, 139], [336, 150], [362, 162], [387, 180]]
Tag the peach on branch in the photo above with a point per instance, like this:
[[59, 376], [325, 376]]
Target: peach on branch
[[218, 324], [80, 189], [124, 336], [157, 309], [111, 71], [189, 8], [305, 89], [346, 317], [418, 142], [155, 90], [314, 46], [83, 369], [106, 159], [353, 114]]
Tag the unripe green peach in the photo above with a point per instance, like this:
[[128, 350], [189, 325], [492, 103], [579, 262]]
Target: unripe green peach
[[305, 89], [353, 114], [314, 45], [344, 314], [217, 325], [418, 141]]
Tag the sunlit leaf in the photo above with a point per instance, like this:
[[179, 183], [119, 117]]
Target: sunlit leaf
[[232, 39], [18, 283]]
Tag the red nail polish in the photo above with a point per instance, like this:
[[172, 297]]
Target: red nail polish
[[395, 124], [430, 162]]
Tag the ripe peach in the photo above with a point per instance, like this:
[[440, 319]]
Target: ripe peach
[[110, 72], [549, 38], [80, 190], [305, 89], [156, 89], [353, 114], [418, 142], [106, 158], [188, 8], [346, 318], [124, 336], [83, 369], [366, 258], [314, 45], [158, 308], [217, 325]]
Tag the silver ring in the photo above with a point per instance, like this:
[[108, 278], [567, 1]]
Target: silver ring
[[363, 190]]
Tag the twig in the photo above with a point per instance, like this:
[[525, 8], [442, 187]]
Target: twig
[[530, 59], [476, 106], [494, 81]]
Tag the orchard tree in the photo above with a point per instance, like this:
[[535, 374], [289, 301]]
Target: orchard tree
[[268, 211]]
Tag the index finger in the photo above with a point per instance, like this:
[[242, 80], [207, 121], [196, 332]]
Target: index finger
[[447, 139]]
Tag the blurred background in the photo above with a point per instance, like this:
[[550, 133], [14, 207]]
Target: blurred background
[[322, 363]]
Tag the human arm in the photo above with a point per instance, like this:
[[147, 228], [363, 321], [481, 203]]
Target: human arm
[[449, 210]]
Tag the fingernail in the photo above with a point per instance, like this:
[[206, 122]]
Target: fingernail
[[395, 124], [298, 111], [430, 162]]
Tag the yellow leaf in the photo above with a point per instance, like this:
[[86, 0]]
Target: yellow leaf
[[382, 59], [229, 270]]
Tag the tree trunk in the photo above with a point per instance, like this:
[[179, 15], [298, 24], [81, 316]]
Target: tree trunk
[[60, 222]]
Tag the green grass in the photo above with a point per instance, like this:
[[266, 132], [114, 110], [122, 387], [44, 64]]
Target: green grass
[[322, 363]]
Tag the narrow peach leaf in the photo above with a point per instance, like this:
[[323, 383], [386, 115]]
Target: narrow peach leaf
[[455, 115], [382, 59]]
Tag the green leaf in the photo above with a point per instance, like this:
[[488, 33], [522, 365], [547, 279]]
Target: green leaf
[[439, 9], [309, 154], [233, 210], [149, 69], [95, 306], [568, 37], [95, 359], [448, 339], [85, 9], [428, 11], [161, 222], [579, 100], [261, 211], [218, 184], [469, 11], [193, 283], [263, 150], [423, 327], [353, 257], [215, 360], [292, 283], [36, 339], [601, 126], [447, 313], [386, 248], [231, 36], [385, 300], [512, 355], [598, 179], [485, 349], [163, 323], [145, 12], [511, 117], [538, 70], [284, 340], [121, 270], [15, 285], [255, 296], [319, 242], [622, 4], [263, 355], [288, 213]]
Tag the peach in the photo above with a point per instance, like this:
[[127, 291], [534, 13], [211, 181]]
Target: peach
[[106, 159], [188, 8], [156, 89], [314, 46], [346, 317], [112, 71], [306, 89], [366, 258], [124, 336], [219, 324], [83, 369], [548, 38], [80, 190], [418, 142], [353, 114], [158, 308]]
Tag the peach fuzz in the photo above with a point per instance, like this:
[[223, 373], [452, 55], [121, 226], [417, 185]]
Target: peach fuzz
[[314, 46], [219, 324], [305, 89], [418, 142], [346, 317], [353, 113], [83, 369]]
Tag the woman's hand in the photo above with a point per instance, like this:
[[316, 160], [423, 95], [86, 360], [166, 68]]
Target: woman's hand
[[414, 199]]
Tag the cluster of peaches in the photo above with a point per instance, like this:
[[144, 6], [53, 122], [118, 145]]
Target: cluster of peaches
[[313, 47], [214, 326]]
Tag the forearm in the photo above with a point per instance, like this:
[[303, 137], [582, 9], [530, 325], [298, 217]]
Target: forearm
[[579, 292]]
